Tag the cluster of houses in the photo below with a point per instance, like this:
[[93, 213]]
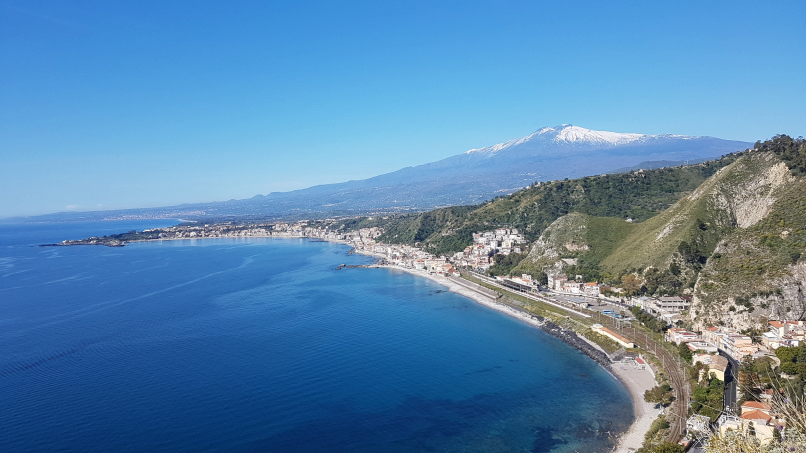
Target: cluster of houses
[[756, 418], [735, 344], [228, 230], [212, 231], [486, 244], [564, 284], [784, 333], [480, 255], [738, 345], [667, 308]]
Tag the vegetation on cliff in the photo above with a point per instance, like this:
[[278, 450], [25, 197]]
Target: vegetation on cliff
[[636, 195], [731, 232]]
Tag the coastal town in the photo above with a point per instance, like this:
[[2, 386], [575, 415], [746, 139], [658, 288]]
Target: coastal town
[[716, 354]]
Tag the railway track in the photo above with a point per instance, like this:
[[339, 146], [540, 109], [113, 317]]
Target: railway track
[[671, 364], [674, 373]]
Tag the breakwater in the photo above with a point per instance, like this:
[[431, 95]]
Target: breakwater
[[568, 336], [572, 338]]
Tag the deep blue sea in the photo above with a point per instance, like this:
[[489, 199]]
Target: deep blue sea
[[261, 345]]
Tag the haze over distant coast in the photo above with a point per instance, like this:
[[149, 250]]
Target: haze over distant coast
[[241, 159], [472, 177]]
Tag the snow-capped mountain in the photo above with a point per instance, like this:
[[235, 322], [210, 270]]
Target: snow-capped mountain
[[549, 153], [567, 134], [474, 176]]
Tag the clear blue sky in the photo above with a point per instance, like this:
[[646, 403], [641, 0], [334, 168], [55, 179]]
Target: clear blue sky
[[107, 105]]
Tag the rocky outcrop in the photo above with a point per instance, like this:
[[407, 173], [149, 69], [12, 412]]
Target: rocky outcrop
[[755, 273], [564, 236], [572, 338], [747, 194]]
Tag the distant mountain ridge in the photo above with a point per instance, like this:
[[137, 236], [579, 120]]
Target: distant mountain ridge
[[550, 153], [565, 151]]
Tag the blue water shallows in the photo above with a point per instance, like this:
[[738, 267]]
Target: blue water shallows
[[261, 345]]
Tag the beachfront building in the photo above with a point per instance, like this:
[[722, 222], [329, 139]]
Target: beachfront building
[[615, 336]]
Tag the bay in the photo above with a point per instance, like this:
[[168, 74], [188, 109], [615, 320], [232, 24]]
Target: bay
[[261, 345]]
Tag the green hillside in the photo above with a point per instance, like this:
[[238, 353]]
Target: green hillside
[[731, 232], [637, 195], [759, 271], [579, 238]]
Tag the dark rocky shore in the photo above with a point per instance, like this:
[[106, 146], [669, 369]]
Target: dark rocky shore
[[572, 338]]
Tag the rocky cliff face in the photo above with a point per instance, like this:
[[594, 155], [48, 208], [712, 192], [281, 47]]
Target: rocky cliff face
[[747, 192], [737, 243], [755, 272]]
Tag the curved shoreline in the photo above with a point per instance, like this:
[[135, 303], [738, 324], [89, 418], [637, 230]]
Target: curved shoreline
[[644, 413], [632, 380]]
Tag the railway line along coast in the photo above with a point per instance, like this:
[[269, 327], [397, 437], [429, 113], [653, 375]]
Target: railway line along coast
[[673, 369]]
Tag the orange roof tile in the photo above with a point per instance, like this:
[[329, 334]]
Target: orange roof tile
[[756, 415], [614, 334], [757, 405]]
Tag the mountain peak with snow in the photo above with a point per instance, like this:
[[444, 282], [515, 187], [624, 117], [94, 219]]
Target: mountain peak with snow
[[568, 134]]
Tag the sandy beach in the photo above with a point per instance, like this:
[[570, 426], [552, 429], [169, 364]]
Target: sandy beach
[[636, 380]]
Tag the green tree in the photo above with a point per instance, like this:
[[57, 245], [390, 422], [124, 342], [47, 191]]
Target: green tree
[[685, 352], [660, 394], [786, 354], [668, 447], [789, 368], [631, 284]]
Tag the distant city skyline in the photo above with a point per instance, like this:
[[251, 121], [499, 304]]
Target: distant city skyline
[[126, 105]]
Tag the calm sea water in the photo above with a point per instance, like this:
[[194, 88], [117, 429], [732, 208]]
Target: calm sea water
[[260, 345]]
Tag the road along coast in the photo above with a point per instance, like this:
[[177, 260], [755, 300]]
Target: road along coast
[[634, 379]]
